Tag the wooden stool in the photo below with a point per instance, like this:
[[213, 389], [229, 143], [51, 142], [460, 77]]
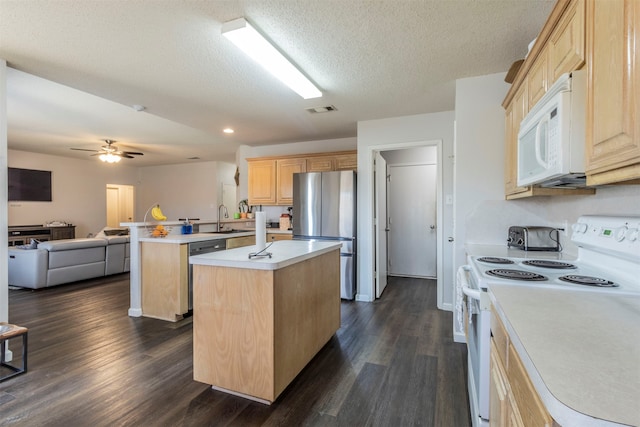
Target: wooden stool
[[7, 332]]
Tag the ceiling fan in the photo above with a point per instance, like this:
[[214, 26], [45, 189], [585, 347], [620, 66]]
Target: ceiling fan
[[109, 153]]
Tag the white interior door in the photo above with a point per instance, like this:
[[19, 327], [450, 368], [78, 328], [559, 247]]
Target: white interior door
[[412, 238], [120, 204], [380, 223]]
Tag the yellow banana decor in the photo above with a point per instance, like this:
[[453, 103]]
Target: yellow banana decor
[[157, 214]]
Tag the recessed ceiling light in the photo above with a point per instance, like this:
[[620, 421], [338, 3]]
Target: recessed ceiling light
[[228, 130]]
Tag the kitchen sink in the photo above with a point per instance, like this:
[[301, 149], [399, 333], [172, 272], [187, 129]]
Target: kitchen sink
[[229, 231]]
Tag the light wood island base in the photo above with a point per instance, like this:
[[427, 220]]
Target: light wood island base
[[256, 329]]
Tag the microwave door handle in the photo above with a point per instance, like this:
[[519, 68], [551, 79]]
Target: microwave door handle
[[542, 162]]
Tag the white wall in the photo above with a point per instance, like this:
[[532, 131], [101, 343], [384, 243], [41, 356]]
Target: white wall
[[387, 134], [189, 190], [479, 152], [78, 191]]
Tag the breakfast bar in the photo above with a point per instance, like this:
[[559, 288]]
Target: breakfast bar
[[258, 321]]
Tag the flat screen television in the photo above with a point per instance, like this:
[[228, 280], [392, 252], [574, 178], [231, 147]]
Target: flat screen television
[[29, 185]]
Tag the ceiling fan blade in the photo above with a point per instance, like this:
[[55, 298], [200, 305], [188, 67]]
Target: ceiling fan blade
[[126, 156], [133, 153], [82, 149]]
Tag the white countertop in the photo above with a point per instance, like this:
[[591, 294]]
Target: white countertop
[[284, 253], [581, 350], [196, 237], [505, 251]]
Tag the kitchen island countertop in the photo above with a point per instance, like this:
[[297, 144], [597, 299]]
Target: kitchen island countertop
[[284, 253], [580, 348], [196, 237]]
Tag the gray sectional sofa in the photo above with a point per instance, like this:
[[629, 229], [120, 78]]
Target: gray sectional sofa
[[63, 261]]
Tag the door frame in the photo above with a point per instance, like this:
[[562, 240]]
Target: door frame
[[372, 150]]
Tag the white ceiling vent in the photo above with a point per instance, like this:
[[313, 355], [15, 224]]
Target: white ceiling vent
[[327, 109]]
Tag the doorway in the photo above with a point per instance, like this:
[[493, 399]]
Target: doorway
[[120, 204], [417, 170]]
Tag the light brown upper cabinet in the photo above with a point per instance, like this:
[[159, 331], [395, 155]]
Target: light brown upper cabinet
[[613, 92], [538, 79], [262, 182], [566, 44], [514, 115], [321, 164], [286, 169], [559, 49], [270, 179]]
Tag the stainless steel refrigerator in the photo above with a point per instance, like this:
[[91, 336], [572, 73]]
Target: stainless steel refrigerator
[[324, 208]]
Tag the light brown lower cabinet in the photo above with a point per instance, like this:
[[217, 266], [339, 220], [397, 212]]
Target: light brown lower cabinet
[[278, 236], [513, 400], [165, 278], [238, 242]]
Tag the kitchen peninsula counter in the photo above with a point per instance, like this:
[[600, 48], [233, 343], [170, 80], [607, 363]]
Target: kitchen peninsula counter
[[580, 349], [258, 322]]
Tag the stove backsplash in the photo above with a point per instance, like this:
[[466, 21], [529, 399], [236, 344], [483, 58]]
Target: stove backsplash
[[489, 223]]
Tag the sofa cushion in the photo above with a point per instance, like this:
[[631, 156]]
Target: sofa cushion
[[114, 240], [74, 273], [58, 259], [65, 245]]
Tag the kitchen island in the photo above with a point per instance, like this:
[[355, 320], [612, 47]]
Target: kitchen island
[[258, 322]]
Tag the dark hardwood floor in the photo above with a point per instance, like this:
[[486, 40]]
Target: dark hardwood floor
[[392, 363]]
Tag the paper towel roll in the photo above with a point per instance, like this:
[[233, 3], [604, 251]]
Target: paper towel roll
[[261, 231]]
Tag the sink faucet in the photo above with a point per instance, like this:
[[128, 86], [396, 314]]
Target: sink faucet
[[226, 215]]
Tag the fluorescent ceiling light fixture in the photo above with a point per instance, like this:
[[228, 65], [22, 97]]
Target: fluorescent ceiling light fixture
[[243, 35]]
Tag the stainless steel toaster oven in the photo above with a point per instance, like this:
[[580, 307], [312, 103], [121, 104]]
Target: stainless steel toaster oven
[[530, 238]]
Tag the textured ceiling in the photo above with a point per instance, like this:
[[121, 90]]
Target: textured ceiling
[[372, 59]]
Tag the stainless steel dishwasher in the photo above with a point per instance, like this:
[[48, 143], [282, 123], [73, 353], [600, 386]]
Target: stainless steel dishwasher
[[199, 248]]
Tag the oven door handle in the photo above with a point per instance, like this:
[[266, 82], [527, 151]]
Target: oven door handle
[[464, 283]]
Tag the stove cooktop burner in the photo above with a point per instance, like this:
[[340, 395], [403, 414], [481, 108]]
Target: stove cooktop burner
[[589, 281], [505, 273], [545, 263], [495, 260]]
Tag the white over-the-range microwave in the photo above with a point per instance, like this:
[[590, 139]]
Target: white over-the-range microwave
[[551, 140]]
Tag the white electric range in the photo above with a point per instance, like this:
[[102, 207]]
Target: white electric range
[[608, 262]]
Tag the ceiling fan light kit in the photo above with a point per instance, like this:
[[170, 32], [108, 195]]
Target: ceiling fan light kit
[[110, 158], [110, 154], [243, 35]]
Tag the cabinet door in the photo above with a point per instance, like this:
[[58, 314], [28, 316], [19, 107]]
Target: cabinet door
[[165, 280], [238, 242], [261, 176], [286, 169], [528, 406], [346, 162], [498, 411], [58, 233], [613, 91], [320, 164], [514, 115], [538, 79], [277, 236], [566, 44]]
